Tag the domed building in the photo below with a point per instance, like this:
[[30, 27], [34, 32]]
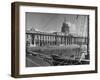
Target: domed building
[[65, 27], [64, 37]]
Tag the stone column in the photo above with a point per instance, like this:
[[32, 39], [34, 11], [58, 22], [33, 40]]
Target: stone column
[[34, 40]]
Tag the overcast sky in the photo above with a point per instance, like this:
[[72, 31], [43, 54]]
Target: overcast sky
[[53, 22]]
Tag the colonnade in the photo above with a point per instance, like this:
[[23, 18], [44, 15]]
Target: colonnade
[[53, 40]]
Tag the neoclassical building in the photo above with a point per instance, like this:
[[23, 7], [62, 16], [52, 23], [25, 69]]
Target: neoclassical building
[[38, 38]]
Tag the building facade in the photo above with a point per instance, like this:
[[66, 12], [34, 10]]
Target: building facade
[[38, 38]]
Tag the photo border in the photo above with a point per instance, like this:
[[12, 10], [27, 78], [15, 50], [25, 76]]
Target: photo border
[[15, 40]]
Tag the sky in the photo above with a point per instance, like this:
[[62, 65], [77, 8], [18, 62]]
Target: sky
[[47, 22]]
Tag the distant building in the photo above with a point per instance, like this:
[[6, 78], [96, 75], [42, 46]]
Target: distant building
[[65, 28], [38, 38]]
